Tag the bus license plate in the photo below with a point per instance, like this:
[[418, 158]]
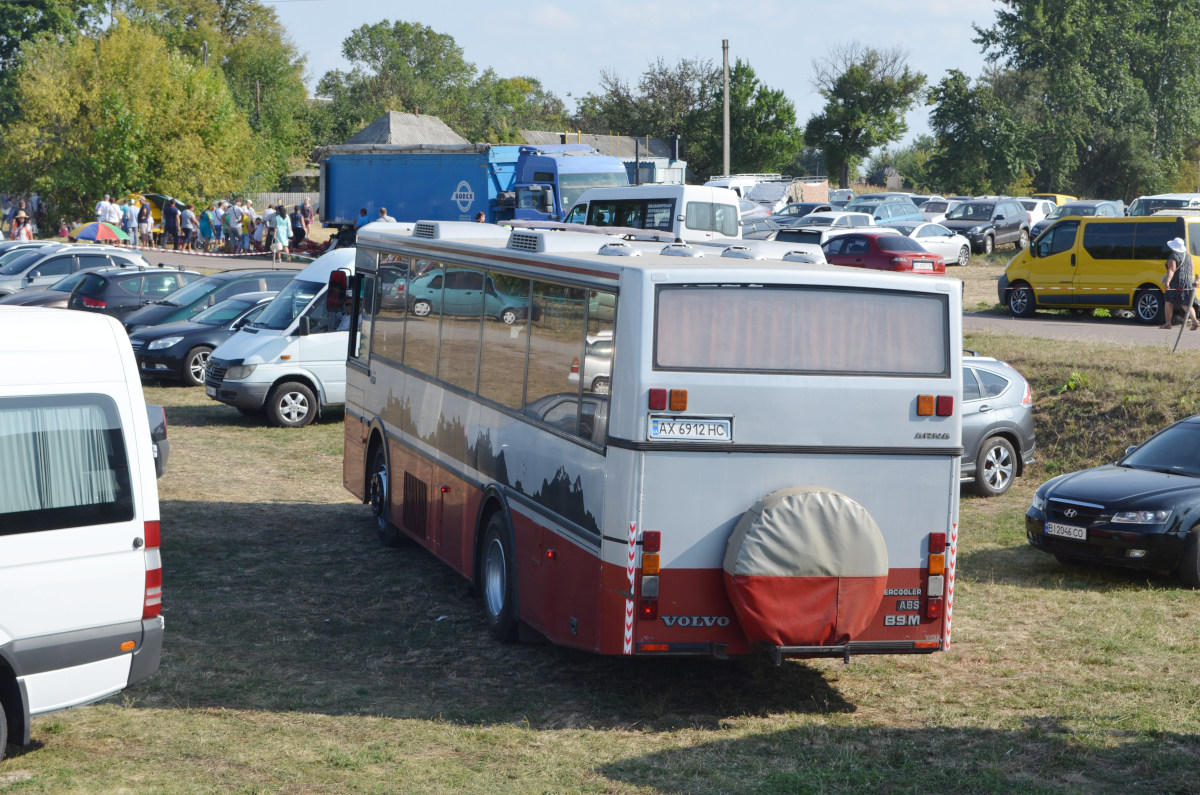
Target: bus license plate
[[1066, 531], [691, 429]]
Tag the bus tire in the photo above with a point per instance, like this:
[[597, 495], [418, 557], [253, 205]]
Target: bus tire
[[1021, 300], [498, 580], [379, 497], [291, 405], [508, 316], [995, 467], [1148, 305], [1189, 562]]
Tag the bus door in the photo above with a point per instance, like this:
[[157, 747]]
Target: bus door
[[796, 466]]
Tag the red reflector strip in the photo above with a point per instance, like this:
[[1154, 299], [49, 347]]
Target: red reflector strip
[[153, 533], [658, 400], [933, 607], [647, 609], [927, 644], [652, 541], [152, 607], [945, 405], [937, 543], [653, 647]]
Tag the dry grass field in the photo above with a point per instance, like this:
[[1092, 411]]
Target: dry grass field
[[301, 657]]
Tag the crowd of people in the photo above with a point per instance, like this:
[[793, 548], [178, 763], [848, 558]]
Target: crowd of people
[[232, 227], [20, 217]]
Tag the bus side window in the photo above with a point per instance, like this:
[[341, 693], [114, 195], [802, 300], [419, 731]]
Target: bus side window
[[502, 363], [424, 300], [388, 328], [366, 302], [556, 348]]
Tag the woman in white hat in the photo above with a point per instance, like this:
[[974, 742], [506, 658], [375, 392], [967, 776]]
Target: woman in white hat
[[21, 228], [1179, 284]]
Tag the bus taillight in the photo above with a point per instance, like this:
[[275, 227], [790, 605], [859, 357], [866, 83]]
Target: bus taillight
[[648, 602], [939, 405], [652, 541], [937, 575], [658, 400]]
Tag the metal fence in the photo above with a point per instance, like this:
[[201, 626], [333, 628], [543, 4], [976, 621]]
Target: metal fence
[[289, 200]]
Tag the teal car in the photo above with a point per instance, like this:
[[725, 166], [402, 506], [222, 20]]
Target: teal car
[[466, 292]]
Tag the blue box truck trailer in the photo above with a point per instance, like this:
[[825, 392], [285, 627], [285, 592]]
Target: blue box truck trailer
[[454, 182]]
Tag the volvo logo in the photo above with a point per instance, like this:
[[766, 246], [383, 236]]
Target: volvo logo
[[696, 621], [1070, 513]]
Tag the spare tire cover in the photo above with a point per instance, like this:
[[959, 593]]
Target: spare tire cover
[[805, 567]]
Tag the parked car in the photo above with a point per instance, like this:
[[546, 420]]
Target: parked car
[[886, 208], [797, 210], [1079, 209], [560, 410], [1037, 209], [813, 228], [118, 291], [842, 195], [1141, 512], [751, 211], [206, 292], [180, 350], [56, 295], [946, 243], [1149, 205], [1059, 199], [12, 245], [881, 249], [597, 364], [44, 266], [988, 223], [934, 211], [466, 292], [997, 424]]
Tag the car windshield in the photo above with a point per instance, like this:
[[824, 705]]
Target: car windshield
[[815, 220], [935, 207], [223, 312], [904, 229], [971, 212], [1073, 210], [19, 264], [898, 243], [1175, 450], [287, 306]]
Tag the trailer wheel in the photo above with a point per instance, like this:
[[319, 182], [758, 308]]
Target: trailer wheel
[[499, 580]]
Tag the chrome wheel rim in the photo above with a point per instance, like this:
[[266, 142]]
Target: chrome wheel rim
[[293, 407], [197, 365], [494, 577], [998, 468]]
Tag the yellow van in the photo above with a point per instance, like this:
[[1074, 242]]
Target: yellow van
[[1096, 263], [1059, 199]]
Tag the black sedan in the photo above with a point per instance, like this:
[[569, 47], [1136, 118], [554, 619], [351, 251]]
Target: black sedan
[[180, 350], [1141, 512]]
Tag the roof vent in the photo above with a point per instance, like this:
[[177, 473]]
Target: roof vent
[[619, 250], [742, 252], [682, 250], [425, 229]]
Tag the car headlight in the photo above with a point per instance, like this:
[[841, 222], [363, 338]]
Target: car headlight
[[165, 342], [974, 230], [239, 371], [1141, 517], [1038, 503]]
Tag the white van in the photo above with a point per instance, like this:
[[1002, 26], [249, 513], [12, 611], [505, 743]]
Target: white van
[[1150, 205], [80, 572], [685, 212], [291, 361], [740, 183]]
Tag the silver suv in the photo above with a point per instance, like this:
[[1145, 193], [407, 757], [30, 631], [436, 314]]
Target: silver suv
[[43, 269], [997, 424]]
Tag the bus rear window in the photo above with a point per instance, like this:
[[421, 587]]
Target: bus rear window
[[813, 330]]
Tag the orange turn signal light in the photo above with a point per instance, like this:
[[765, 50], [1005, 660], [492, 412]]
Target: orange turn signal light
[[128, 645], [925, 405], [650, 563], [678, 400], [937, 564]]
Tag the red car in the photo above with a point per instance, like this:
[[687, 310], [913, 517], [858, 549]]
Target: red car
[[881, 250]]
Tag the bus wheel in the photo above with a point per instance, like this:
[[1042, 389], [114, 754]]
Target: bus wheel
[[1148, 305], [379, 498], [499, 580], [291, 405]]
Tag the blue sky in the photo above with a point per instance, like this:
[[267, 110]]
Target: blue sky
[[565, 45]]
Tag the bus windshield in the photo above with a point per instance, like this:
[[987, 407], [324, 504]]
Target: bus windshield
[[573, 185]]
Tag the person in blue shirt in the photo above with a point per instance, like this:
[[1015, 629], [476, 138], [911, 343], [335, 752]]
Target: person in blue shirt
[[363, 219]]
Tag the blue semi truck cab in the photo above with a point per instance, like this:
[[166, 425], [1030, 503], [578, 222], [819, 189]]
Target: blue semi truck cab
[[454, 182]]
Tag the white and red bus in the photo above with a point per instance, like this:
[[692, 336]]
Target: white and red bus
[[772, 462]]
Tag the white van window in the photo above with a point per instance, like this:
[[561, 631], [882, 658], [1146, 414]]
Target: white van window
[[749, 328], [708, 217], [288, 305], [65, 464]]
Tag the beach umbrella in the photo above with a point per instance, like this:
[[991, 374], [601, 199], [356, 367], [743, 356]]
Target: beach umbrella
[[97, 231]]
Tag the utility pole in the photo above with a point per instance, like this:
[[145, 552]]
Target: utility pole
[[725, 147]]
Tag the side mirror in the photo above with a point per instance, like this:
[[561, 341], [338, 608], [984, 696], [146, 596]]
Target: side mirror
[[303, 326]]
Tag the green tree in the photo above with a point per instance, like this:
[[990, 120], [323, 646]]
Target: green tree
[[1118, 86], [668, 101], [911, 162], [22, 22], [264, 71], [867, 93], [179, 134]]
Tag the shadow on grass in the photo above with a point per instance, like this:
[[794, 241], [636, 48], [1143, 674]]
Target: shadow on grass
[[294, 606], [219, 414], [1024, 565], [1046, 756]]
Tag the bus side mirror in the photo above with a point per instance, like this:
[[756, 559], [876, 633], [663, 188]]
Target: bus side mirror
[[303, 326], [335, 296]]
